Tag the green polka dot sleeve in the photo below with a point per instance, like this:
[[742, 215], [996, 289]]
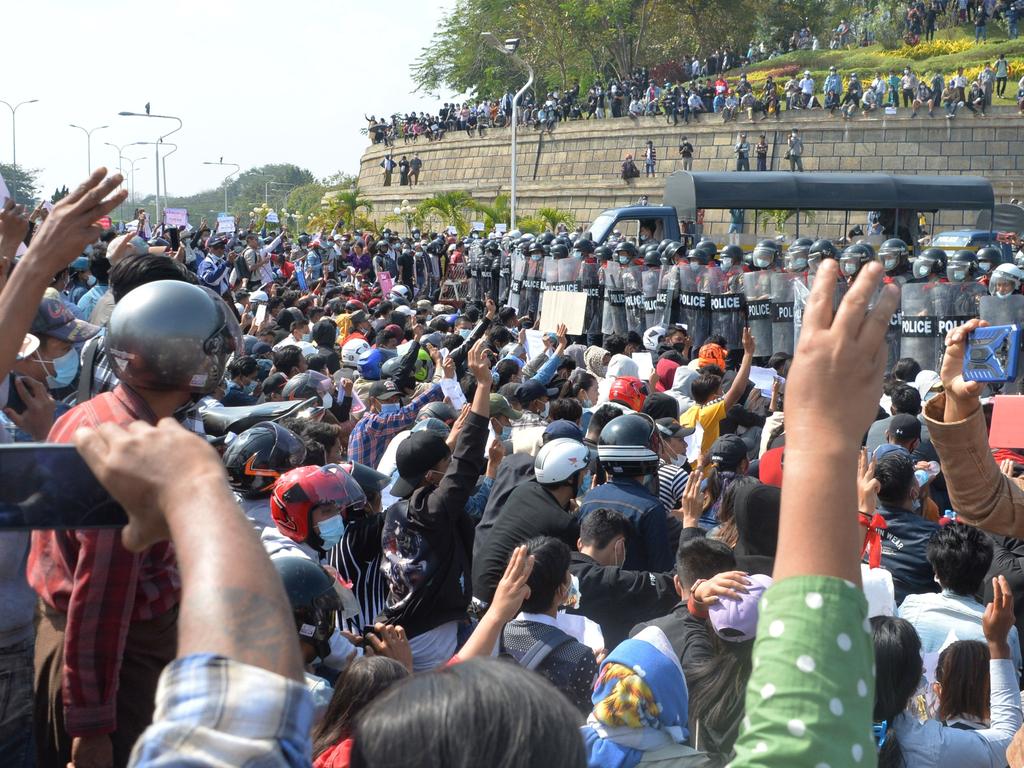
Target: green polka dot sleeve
[[811, 693]]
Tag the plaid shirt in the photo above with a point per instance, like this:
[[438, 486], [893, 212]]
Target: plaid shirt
[[100, 585], [371, 435], [214, 711]]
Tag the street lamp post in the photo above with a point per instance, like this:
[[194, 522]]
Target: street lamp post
[[237, 168], [159, 141], [509, 49], [14, 127], [132, 185], [269, 184], [120, 168], [88, 144]]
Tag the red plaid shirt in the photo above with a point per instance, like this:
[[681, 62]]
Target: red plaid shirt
[[100, 585]]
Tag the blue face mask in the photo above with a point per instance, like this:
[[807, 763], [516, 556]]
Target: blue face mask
[[249, 388], [91, 281], [331, 530], [464, 332], [389, 407], [64, 369], [305, 337]]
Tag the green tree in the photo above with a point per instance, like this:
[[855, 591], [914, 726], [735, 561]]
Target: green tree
[[59, 194], [498, 211], [21, 182], [447, 207]]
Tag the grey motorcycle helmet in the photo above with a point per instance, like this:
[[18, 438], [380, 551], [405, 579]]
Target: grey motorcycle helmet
[[169, 335]]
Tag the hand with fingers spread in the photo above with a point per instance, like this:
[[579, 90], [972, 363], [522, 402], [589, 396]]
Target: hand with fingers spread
[[962, 397], [72, 224], [477, 365], [727, 584], [692, 503], [508, 599]]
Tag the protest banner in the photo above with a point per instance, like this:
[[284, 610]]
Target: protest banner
[[225, 224], [176, 217], [564, 308]]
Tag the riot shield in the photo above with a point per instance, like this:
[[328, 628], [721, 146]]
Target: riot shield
[[757, 289], [1008, 310], [614, 300], [569, 274], [693, 306], [667, 302], [473, 263], [633, 296], [591, 283], [800, 294], [921, 306], [651, 280], [533, 287], [504, 278], [517, 280], [728, 308], [550, 274], [782, 310]]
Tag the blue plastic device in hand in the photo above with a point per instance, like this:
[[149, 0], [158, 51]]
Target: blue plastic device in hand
[[992, 354]]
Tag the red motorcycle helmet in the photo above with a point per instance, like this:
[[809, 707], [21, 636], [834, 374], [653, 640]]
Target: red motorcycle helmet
[[299, 492], [628, 391]]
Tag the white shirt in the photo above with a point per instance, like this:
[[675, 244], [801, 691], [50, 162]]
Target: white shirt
[[807, 85]]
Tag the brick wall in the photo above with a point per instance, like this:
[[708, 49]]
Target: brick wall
[[577, 166]]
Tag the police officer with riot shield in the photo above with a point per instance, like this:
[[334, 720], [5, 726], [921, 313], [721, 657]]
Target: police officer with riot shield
[[757, 289]]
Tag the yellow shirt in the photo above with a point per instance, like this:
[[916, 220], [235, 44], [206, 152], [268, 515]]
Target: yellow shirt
[[710, 417]]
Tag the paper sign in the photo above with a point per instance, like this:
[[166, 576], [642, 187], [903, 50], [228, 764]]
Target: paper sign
[[300, 278], [273, 218], [386, 282], [693, 443], [501, 229], [453, 392], [1007, 422], [564, 308], [763, 379], [47, 206], [176, 217], [5, 193], [261, 316], [225, 224], [534, 343], [478, 226], [644, 365], [452, 231]]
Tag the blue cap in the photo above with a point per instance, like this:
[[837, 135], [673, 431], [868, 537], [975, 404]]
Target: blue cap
[[886, 448], [562, 428]]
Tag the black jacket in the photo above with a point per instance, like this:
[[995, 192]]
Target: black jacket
[[617, 599], [513, 471], [904, 542], [1008, 561], [428, 542], [530, 511]]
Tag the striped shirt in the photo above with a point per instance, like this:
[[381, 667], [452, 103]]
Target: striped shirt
[[671, 484], [357, 557]]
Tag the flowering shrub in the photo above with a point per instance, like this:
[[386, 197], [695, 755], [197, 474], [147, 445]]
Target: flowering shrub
[[929, 50]]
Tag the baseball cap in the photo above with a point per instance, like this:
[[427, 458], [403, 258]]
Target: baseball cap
[[418, 454], [500, 407], [54, 319], [728, 451], [928, 383], [384, 389], [28, 345], [531, 389], [904, 427], [669, 428], [886, 448], [407, 311], [562, 428], [735, 619]]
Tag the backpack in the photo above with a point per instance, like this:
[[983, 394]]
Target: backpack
[[551, 639]]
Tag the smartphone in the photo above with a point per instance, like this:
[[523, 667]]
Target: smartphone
[[992, 354], [44, 486], [369, 631], [174, 237]]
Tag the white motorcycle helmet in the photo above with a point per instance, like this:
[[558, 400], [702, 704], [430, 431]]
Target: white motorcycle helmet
[[1005, 280], [399, 292], [560, 459], [653, 337], [351, 350]]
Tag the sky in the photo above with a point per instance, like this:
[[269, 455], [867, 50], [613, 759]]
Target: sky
[[333, 61]]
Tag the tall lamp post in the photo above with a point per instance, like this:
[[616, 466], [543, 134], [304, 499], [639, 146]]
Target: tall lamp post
[[88, 144], [237, 168], [159, 141], [14, 127], [509, 48], [132, 163], [163, 159]]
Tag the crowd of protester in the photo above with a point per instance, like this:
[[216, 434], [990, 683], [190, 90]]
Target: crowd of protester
[[365, 528]]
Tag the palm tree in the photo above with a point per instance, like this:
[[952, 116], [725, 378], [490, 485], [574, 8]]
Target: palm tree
[[555, 216], [498, 212], [348, 202], [449, 207]]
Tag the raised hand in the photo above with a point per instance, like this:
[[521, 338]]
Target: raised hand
[[962, 397]]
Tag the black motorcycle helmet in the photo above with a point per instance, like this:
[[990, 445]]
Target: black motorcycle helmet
[[931, 261], [629, 250], [546, 238], [664, 244], [537, 250], [854, 257], [257, 457], [989, 257], [732, 256], [765, 255], [893, 254], [795, 259], [603, 252], [652, 258], [629, 445], [708, 247], [584, 246], [962, 266], [314, 598], [558, 251], [819, 251], [563, 240], [493, 246], [672, 251]]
